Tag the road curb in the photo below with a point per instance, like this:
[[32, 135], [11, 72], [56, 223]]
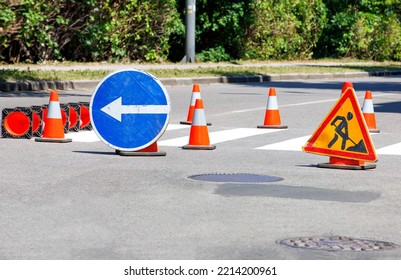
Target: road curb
[[85, 84]]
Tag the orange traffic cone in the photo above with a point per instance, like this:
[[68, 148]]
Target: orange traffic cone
[[369, 113], [345, 86], [151, 150], [199, 134], [54, 127], [195, 95], [272, 115]]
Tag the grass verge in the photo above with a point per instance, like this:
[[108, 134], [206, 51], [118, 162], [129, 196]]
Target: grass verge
[[13, 75]]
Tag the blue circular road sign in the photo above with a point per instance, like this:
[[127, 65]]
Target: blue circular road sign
[[129, 110]]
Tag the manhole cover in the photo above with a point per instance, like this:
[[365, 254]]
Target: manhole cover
[[236, 178], [337, 243]]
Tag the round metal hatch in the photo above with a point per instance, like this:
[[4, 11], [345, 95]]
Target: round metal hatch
[[337, 243]]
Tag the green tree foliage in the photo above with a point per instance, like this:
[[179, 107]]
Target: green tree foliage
[[137, 30], [256, 29], [220, 27], [153, 30], [88, 30], [284, 29], [366, 29], [7, 17], [40, 30]]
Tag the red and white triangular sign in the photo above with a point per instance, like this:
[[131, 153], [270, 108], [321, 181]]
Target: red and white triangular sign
[[343, 132]]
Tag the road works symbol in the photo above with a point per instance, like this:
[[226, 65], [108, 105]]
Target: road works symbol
[[130, 110], [342, 130], [343, 133]]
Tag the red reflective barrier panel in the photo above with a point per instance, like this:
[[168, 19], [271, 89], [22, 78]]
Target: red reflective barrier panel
[[85, 122], [75, 114], [16, 123], [37, 120]]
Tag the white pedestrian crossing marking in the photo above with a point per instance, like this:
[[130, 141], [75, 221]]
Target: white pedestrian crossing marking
[[90, 136], [390, 150], [176, 126], [83, 136], [220, 136], [294, 144]]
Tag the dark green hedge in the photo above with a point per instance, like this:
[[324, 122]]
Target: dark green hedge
[[86, 30], [153, 30]]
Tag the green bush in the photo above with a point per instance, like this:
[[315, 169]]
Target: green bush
[[217, 54], [25, 25], [138, 30], [88, 30], [153, 30], [7, 17], [284, 29], [375, 37], [366, 29], [220, 29], [221, 26]]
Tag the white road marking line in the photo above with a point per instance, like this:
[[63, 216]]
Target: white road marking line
[[294, 144], [176, 126], [83, 136], [390, 150], [90, 136], [294, 104], [220, 136]]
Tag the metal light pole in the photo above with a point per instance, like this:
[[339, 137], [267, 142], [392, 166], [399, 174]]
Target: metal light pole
[[190, 6]]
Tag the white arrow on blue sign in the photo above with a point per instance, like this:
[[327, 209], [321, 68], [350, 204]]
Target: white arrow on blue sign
[[130, 110], [115, 109]]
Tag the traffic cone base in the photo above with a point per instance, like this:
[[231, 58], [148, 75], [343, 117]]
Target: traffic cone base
[[189, 123], [199, 147], [151, 150], [273, 126], [350, 164], [53, 140]]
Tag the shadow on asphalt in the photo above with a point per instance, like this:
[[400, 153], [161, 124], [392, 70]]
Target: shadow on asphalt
[[296, 192], [388, 86], [95, 152], [391, 107]]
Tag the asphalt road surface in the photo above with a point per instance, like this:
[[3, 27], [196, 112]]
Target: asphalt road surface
[[80, 200]]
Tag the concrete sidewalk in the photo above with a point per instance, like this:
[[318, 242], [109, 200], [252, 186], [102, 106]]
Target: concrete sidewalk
[[85, 84]]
